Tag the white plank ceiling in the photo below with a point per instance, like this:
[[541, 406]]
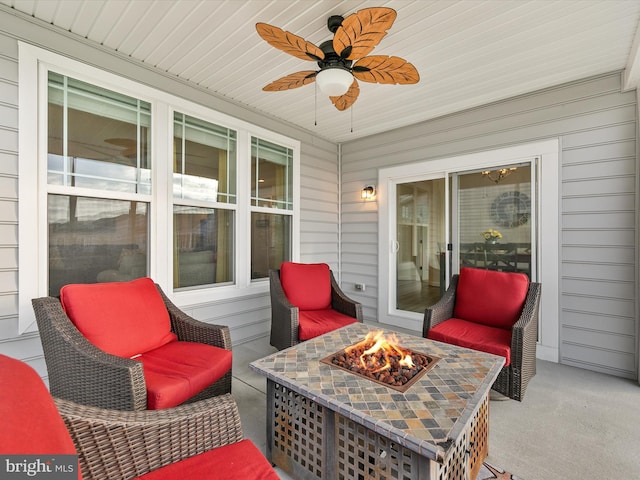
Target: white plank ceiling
[[468, 52]]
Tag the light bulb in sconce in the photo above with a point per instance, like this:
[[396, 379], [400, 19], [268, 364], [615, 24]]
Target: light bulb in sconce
[[334, 81], [368, 192]]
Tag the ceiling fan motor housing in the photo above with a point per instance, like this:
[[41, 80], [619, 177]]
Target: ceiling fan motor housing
[[333, 22], [331, 58]]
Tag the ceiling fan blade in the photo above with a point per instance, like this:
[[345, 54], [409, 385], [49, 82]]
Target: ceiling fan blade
[[345, 101], [294, 80], [289, 43], [360, 32], [385, 69]]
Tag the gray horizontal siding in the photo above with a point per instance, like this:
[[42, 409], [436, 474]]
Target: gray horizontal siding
[[319, 235], [28, 346], [248, 317], [596, 125]]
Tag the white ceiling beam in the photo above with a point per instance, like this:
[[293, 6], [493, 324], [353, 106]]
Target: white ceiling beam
[[632, 69]]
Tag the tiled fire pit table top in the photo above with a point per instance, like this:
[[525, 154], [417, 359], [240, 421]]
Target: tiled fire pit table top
[[427, 418]]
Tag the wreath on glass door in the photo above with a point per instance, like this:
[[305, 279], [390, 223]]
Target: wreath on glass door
[[511, 209]]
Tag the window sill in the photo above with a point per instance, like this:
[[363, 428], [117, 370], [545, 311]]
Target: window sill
[[198, 296]]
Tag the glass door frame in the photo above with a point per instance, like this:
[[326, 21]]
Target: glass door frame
[[388, 190], [532, 163], [548, 232]]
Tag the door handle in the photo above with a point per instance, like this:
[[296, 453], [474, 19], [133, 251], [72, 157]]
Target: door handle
[[395, 246]]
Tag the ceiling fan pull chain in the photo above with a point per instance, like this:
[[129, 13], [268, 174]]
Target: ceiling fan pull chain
[[351, 118], [315, 106]]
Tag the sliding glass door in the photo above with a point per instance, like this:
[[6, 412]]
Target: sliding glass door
[[420, 244], [480, 215], [493, 223]]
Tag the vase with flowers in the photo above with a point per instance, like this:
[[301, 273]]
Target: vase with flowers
[[491, 236]]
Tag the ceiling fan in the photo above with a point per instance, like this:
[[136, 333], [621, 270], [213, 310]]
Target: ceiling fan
[[343, 60]]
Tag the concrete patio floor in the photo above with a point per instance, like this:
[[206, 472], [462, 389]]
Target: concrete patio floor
[[573, 424]]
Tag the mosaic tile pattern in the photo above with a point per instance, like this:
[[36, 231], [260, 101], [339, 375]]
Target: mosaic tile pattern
[[427, 418]]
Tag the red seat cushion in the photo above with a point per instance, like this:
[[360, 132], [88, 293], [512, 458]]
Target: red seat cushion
[[313, 323], [306, 285], [232, 462], [120, 318], [489, 297], [31, 424], [178, 370], [467, 334]]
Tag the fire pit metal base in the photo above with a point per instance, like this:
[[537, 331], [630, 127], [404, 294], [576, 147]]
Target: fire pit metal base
[[323, 423], [310, 441]]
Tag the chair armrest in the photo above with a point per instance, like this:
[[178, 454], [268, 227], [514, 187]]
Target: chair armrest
[[188, 329], [442, 310], [285, 317], [81, 372], [524, 334], [343, 304], [119, 445]]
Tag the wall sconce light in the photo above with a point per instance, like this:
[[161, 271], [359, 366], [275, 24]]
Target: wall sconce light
[[368, 192]]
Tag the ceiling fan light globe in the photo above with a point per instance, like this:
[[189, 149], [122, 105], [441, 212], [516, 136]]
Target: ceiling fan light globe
[[334, 81]]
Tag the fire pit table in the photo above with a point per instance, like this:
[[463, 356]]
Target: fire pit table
[[327, 422]]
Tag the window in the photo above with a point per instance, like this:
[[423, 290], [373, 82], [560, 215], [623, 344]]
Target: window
[[97, 138], [204, 202], [271, 188], [118, 180], [98, 143], [95, 240]]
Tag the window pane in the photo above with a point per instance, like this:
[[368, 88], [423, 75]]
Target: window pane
[[95, 240], [420, 232], [97, 138], [204, 160], [271, 175], [203, 250], [494, 219], [270, 242]]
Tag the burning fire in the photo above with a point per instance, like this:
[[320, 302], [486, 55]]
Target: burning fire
[[379, 358], [388, 347]]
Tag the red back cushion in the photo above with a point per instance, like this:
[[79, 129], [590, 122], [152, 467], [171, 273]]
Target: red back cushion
[[489, 297], [121, 318], [306, 285], [31, 424]]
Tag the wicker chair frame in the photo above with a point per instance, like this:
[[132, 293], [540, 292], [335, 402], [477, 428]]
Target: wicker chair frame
[[121, 445], [82, 373], [285, 317], [514, 378]]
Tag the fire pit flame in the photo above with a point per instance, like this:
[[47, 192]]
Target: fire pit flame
[[379, 358], [407, 362], [389, 347]]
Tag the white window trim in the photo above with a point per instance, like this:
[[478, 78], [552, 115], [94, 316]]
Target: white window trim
[[34, 64]]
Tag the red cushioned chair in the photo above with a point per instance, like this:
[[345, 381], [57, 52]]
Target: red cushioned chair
[[126, 346], [199, 441], [307, 302], [494, 312]]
